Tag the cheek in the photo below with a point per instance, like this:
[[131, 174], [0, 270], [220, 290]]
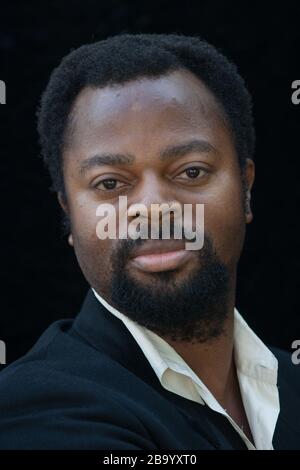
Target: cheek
[[224, 220], [94, 258], [92, 253], [83, 215], [87, 242]]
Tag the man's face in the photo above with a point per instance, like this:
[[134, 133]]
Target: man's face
[[140, 121]]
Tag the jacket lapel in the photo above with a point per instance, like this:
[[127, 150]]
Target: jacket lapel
[[108, 334]]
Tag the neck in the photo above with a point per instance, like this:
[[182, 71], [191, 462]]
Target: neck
[[213, 360]]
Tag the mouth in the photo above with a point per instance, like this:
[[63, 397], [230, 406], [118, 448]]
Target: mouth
[[160, 256]]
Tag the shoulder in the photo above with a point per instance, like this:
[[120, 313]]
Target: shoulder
[[60, 395]]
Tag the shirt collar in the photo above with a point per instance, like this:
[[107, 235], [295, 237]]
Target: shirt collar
[[144, 337], [252, 356]]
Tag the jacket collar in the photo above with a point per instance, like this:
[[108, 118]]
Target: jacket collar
[[108, 334]]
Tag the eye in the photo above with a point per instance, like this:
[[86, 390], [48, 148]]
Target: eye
[[193, 173], [109, 184]]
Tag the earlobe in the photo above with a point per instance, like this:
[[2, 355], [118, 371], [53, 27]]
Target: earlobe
[[248, 212], [70, 240], [63, 204]]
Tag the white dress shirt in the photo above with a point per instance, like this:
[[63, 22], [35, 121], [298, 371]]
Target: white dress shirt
[[256, 370]]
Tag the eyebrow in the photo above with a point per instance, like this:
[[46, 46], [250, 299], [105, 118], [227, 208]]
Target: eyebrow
[[179, 150], [169, 153], [106, 159]]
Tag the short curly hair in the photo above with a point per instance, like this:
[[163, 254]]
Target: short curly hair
[[124, 57]]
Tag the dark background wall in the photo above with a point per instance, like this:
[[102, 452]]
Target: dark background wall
[[40, 279]]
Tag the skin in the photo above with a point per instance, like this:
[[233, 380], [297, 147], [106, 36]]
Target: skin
[[141, 118]]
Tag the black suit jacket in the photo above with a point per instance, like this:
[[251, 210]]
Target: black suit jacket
[[86, 384]]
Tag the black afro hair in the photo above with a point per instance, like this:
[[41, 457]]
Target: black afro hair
[[125, 57]]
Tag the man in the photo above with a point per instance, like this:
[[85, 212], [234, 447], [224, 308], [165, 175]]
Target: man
[[158, 357]]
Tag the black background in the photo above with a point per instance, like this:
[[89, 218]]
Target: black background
[[40, 279]]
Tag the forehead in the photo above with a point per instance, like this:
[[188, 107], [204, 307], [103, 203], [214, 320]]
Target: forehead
[[145, 108]]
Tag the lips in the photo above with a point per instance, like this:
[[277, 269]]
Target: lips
[[160, 255]]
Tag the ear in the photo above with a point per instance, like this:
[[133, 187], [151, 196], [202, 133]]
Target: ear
[[249, 176], [63, 204], [70, 240]]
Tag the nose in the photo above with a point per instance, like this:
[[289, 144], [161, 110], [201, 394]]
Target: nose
[[153, 202]]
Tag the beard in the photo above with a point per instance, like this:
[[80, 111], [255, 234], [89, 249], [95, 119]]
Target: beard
[[193, 309]]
